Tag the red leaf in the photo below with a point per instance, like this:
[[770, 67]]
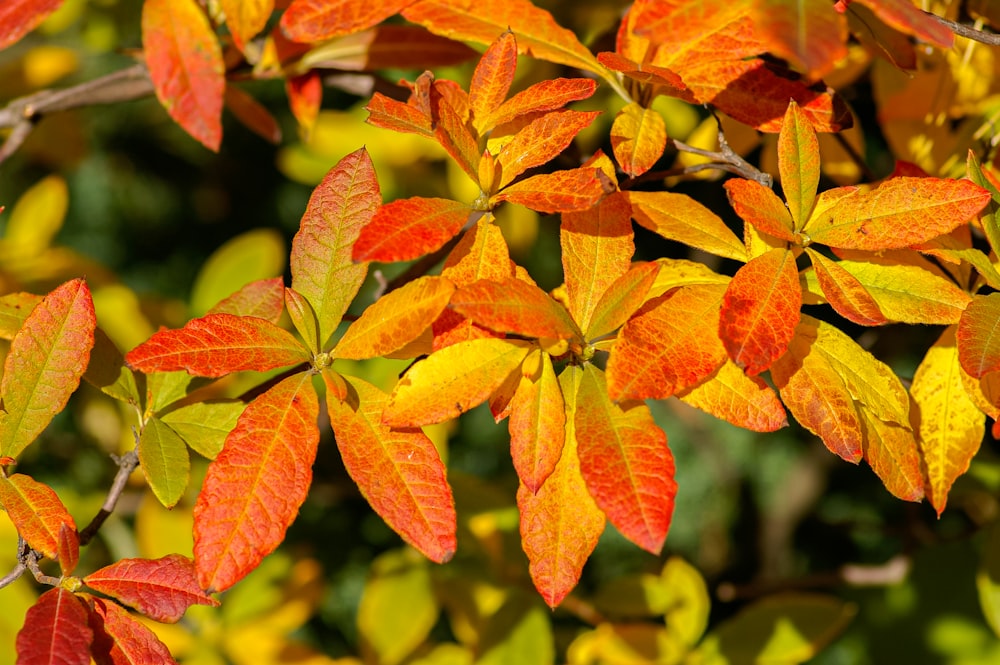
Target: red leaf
[[760, 310], [513, 306], [979, 336], [387, 113], [47, 357], [322, 267], [547, 95], [562, 191], [264, 299], [255, 486], [162, 589], [305, 96], [398, 471], [185, 65], [537, 421], [68, 549], [55, 631], [252, 114], [409, 228], [121, 640], [19, 17], [37, 513], [218, 344], [907, 18], [626, 463], [319, 20], [845, 292]]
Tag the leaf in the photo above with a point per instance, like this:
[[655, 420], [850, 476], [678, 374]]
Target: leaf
[[107, 370], [162, 589], [519, 631], [252, 114], [55, 631], [988, 576], [255, 486], [481, 254], [537, 422], [798, 162], [807, 34], [68, 549], [560, 523], [246, 18], [323, 269], [219, 344], [597, 247], [626, 463], [492, 79], [671, 344], [305, 96], [36, 512], [621, 300], [978, 338], [679, 272], [547, 95], [638, 138], [409, 228], [898, 213], [388, 113], [395, 319], [561, 191], [452, 380], [14, 310], [121, 640], [540, 141], [949, 426], [744, 401], [908, 19], [845, 293], [256, 254], [989, 214], [760, 207], [319, 20], [186, 67], [760, 310], [204, 425], [452, 130], [513, 306], [263, 298], [164, 459], [398, 471], [681, 218], [37, 217], [891, 451], [538, 35], [386, 46], [47, 358], [304, 319], [19, 17]]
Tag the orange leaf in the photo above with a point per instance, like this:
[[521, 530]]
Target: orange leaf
[[409, 228], [513, 306], [492, 79], [68, 549], [907, 18], [246, 18], [118, 638], [537, 422], [219, 344], [562, 191], [36, 512], [305, 96], [759, 206], [264, 299], [760, 310], [949, 425], [663, 80], [898, 213], [638, 138], [620, 301], [744, 401], [47, 357], [597, 247], [255, 486], [808, 34], [398, 471], [185, 65], [452, 131], [845, 293], [978, 338], [891, 452], [482, 253], [452, 380], [387, 47], [390, 114], [540, 141], [323, 269], [547, 95], [482, 20], [681, 218], [162, 589], [319, 20], [671, 344], [19, 17], [395, 319], [55, 631], [560, 523], [798, 163], [625, 461]]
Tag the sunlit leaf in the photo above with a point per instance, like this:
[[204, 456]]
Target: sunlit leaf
[[409, 228], [537, 422], [246, 18], [561, 191], [798, 162], [540, 141], [19, 17], [891, 451], [305, 96], [37, 216], [978, 338], [744, 401], [164, 460], [492, 79], [513, 306], [398, 471], [547, 95], [908, 19], [318, 20], [638, 138], [681, 218], [761, 207], [845, 293], [36, 511], [622, 298], [204, 425], [14, 309], [263, 298], [118, 638], [255, 486], [304, 319], [55, 631], [186, 67]]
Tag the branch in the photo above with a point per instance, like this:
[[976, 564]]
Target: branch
[[981, 36], [21, 114], [127, 463]]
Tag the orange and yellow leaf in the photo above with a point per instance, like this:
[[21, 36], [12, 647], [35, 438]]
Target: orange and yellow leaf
[[745, 401], [638, 138], [36, 512], [562, 191], [537, 422], [409, 228], [798, 163], [681, 218], [979, 336], [513, 306]]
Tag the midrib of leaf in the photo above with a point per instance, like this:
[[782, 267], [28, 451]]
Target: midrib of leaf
[[852, 377], [769, 292]]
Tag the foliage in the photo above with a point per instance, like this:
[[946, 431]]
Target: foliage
[[260, 372]]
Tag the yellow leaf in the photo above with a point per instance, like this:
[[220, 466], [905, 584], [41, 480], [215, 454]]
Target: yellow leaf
[[747, 402], [891, 452], [36, 218]]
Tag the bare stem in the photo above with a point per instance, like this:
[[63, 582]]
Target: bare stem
[[127, 463], [981, 36], [13, 575]]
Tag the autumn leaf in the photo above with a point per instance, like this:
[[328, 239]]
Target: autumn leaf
[[323, 269], [760, 310], [540, 141], [255, 486], [638, 138], [47, 358], [185, 65], [398, 471], [304, 319], [163, 457], [513, 306], [252, 114], [204, 426], [162, 589], [679, 217], [845, 292], [68, 549], [409, 228], [55, 631], [19, 17], [14, 309], [978, 341], [809, 34], [621, 300], [562, 191], [36, 512], [246, 18], [537, 422], [798, 162], [305, 97], [547, 95], [731, 395], [760, 207], [891, 451], [218, 344], [560, 523], [264, 299], [625, 461], [491, 80], [118, 638], [319, 20]]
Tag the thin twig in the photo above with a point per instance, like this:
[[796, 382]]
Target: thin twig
[[31, 561], [866, 173], [13, 575], [127, 463], [981, 36]]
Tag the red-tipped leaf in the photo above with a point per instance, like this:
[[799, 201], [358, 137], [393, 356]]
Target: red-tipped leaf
[[561, 191], [409, 228], [319, 20], [513, 306], [55, 631]]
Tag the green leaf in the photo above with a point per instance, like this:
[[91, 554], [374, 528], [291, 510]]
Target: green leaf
[[36, 218], [988, 577], [164, 461], [257, 254], [518, 632], [205, 425]]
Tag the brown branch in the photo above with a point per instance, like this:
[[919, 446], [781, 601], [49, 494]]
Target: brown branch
[[127, 463], [981, 36], [21, 115], [13, 575]]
